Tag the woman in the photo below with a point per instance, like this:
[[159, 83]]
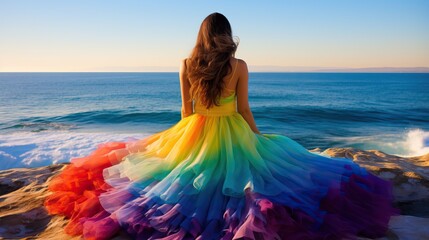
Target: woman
[[213, 175]]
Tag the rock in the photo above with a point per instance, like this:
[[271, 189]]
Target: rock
[[409, 227], [22, 214], [410, 176], [23, 191]]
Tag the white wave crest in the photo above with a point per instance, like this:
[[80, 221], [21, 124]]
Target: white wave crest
[[35, 149], [30, 149], [417, 142], [413, 142]]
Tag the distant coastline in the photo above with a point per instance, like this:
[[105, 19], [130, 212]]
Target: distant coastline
[[339, 70], [264, 69]]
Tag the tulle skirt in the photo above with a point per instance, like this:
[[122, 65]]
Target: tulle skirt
[[211, 177]]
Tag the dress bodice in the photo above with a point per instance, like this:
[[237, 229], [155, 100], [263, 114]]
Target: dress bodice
[[227, 106]]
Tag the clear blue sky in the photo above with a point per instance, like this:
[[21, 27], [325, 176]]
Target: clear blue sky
[[108, 35]]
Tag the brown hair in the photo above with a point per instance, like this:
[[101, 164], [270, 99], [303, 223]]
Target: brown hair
[[209, 61]]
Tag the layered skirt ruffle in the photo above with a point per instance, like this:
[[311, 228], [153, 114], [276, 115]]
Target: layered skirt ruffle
[[213, 178]]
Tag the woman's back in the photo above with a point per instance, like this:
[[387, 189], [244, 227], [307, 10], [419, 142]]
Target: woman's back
[[227, 101], [234, 92], [211, 177]]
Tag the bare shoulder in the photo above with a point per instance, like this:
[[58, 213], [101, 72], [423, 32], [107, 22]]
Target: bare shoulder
[[183, 64], [240, 62], [242, 67], [183, 72]]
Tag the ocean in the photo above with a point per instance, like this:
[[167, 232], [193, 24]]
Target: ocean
[[48, 118]]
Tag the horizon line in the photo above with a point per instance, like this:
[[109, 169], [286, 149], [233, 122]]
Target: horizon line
[[425, 72], [252, 69]]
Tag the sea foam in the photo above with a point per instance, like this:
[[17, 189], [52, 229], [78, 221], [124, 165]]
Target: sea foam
[[410, 143], [35, 149], [417, 142]]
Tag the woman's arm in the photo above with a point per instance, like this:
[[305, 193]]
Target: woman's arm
[[243, 96], [185, 85]]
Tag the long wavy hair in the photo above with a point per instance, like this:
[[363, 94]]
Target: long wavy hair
[[209, 61]]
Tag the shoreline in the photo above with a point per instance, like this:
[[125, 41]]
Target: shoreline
[[23, 190]]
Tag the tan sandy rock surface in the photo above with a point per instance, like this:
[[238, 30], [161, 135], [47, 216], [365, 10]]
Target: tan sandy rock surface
[[22, 192]]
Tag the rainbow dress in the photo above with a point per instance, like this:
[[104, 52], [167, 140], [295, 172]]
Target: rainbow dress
[[210, 177]]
